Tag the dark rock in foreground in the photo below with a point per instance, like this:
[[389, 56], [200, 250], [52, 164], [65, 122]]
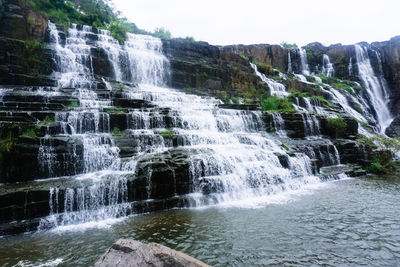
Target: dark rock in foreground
[[127, 252]]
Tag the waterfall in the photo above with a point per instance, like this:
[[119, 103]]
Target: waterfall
[[350, 67], [327, 66], [276, 88], [375, 87], [305, 70], [290, 68], [230, 155]]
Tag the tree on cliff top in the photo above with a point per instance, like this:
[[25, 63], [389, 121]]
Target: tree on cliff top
[[96, 13]]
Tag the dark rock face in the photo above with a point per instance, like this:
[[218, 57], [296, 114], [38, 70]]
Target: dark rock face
[[198, 67], [132, 253], [394, 129], [390, 55], [163, 175], [273, 55], [19, 21]]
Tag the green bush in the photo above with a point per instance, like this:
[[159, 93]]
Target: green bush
[[321, 99], [343, 86], [382, 163], [118, 30], [241, 54], [46, 121], [189, 38], [274, 103], [96, 13], [162, 33], [29, 133], [7, 144], [323, 77], [235, 100], [73, 104], [264, 68], [288, 46], [116, 131], [294, 94], [337, 125], [31, 56]]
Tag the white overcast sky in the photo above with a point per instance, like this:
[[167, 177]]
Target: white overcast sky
[[222, 22]]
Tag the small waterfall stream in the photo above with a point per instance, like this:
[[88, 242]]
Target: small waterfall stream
[[327, 66]]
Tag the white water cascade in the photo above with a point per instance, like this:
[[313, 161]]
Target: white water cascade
[[375, 87], [290, 68], [276, 88], [327, 66], [232, 158], [305, 69]]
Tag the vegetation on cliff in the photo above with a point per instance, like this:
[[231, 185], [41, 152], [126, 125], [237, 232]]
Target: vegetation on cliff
[[96, 13]]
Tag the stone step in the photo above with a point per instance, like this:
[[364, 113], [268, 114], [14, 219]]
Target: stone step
[[30, 106]]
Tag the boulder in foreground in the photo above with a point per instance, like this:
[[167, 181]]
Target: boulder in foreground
[[128, 253]]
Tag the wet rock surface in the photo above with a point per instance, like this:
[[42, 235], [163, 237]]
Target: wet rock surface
[[132, 253]]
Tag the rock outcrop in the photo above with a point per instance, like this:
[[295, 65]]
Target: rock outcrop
[[198, 67], [20, 21], [131, 253]]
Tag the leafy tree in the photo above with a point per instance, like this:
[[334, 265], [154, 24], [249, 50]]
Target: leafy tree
[[162, 33]]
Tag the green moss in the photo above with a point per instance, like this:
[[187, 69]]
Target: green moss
[[285, 146], [121, 86], [337, 125], [31, 56], [358, 108], [343, 86], [29, 133], [116, 131], [243, 56], [235, 100], [382, 163], [323, 77], [294, 94], [166, 132], [7, 144], [264, 68], [274, 103], [116, 110], [46, 121], [73, 104], [321, 99]]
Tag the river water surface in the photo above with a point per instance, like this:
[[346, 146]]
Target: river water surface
[[351, 222]]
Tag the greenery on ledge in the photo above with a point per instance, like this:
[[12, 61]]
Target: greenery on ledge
[[7, 143], [95, 13], [166, 133], [264, 68], [383, 149], [275, 103], [337, 125], [29, 133]]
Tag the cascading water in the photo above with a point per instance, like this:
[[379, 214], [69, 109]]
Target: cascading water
[[375, 87], [290, 68], [231, 156], [87, 123], [327, 66], [276, 88], [304, 62]]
